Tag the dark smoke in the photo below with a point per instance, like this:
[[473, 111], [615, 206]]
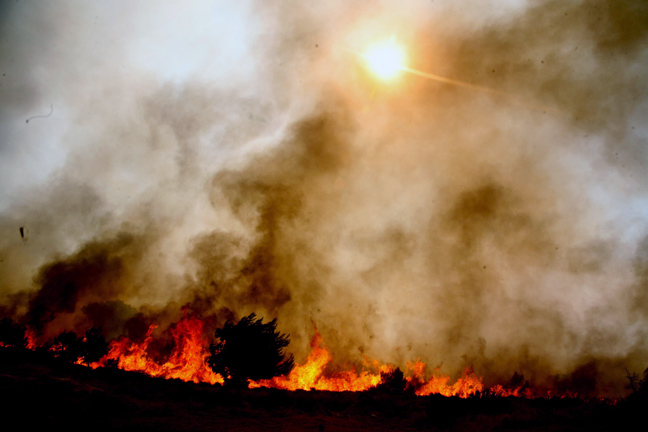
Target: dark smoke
[[95, 271], [412, 219]]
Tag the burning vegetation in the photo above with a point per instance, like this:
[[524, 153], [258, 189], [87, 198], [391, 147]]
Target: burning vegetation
[[251, 354]]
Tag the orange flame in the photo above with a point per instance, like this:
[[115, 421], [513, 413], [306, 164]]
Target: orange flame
[[310, 375], [498, 390], [187, 361], [31, 339], [467, 385]]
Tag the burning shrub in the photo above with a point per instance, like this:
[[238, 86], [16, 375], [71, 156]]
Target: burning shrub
[[66, 346], [250, 350], [69, 347], [392, 381], [93, 346]]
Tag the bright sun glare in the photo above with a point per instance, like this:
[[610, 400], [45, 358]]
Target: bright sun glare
[[385, 59]]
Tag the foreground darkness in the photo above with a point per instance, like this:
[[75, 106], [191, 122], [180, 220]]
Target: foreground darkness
[[43, 392]]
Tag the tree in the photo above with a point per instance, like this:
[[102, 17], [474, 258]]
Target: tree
[[94, 345], [66, 346], [392, 381], [637, 384], [12, 335], [69, 347], [251, 350]]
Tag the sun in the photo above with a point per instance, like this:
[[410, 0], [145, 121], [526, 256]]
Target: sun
[[385, 59]]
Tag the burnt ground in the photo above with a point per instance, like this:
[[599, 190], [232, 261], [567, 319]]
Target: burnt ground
[[42, 393]]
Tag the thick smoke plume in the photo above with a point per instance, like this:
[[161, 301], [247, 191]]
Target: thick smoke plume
[[238, 159]]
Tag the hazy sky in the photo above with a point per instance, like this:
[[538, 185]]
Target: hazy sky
[[239, 157]]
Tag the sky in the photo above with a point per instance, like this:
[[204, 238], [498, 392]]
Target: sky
[[238, 157]]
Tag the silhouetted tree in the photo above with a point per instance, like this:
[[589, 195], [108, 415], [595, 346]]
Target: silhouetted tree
[[69, 347], [93, 345], [637, 384], [392, 381], [66, 346], [250, 349], [632, 410], [11, 334]]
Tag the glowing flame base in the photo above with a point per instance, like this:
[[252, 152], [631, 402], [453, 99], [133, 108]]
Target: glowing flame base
[[187, 361]]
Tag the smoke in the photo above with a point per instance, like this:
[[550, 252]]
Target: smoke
[[238, 159]]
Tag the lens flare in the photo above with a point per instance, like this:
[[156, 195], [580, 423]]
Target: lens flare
[[385, 59]]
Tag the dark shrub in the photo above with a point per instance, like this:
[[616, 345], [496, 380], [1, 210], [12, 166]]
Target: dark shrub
[[12, 335], [249, 350]]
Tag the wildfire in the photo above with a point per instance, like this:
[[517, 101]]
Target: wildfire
[[31, 340], [467, 385], [190, 343], [187, 361], [310, 375]]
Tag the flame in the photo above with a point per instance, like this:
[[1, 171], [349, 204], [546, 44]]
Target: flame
[[528, 393], [190, 350], [310, 375], [31, 344], [58, 348], [186, 362], [467, 385]]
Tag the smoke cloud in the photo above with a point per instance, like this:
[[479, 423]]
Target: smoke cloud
[[238, 159]]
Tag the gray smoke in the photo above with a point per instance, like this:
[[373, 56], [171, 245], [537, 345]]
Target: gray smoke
[[241, 159]]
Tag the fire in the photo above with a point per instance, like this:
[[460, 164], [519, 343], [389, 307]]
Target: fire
[[467, 385], [187, 361], [310, 375], [31, 340], [190, 343], [528, 393]]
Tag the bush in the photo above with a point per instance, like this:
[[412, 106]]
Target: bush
[[392, 382], [94, 345], [69, 347], [66, 346], [12, 335], [249, 350]]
